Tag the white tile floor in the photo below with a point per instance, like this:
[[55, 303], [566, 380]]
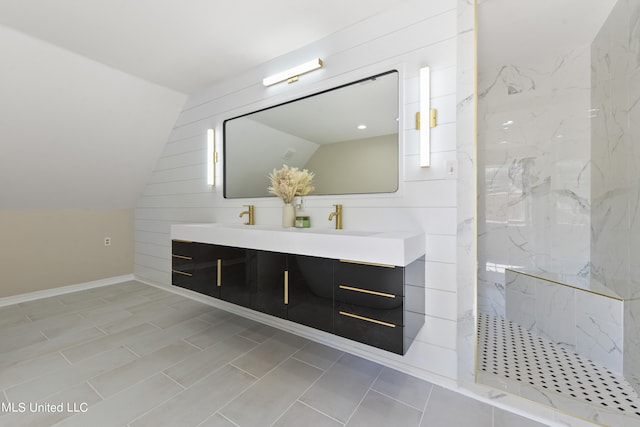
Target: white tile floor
[[515, 354], [134, 355]]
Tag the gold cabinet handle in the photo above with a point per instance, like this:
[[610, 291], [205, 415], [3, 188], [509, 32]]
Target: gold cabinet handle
[[219, 275], [368, 319], [181, 256], [286, 287], [373, 264], [184, 273], [366, 291]]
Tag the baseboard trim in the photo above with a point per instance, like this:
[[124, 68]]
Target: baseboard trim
[[30, 296]]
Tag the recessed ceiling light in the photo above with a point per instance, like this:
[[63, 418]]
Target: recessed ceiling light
[[362, 127]]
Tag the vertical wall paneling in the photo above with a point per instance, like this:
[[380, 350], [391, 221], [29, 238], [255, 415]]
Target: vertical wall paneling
[[417, 34]]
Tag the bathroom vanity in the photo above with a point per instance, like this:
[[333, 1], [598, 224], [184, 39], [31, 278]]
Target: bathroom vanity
[[364, 286]]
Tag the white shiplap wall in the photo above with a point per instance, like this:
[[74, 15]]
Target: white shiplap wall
[[418, 34]]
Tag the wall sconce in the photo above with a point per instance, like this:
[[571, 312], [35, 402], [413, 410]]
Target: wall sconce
[[291, 75], [427, 120], [212, 157]]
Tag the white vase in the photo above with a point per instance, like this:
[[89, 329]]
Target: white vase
[[288, 215]]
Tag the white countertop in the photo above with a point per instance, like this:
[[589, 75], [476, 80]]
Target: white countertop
[[398, 248]]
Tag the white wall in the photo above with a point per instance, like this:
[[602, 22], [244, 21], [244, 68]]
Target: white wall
[[76, 134], [78, 141], [423, 33]]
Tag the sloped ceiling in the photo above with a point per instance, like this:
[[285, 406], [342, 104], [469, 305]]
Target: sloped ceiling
[[90, 89]]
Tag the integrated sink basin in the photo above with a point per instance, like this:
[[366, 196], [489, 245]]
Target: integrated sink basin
[[398, 248]]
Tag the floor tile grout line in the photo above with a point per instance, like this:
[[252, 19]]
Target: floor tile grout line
[[210, 372], [305, 390], [259, 344], [184, 340], [319, 411], [179, 385], [65, 357], [285, 411], [69, 386], [426, 404], [290, 357], [213, 415], [20, 329], [313, 383], [145, 379], [162, 372], [132, 384], [132, 351], [240, 392], [240, 369], [95, 390], [37, 376], [70, 364], [307, 363], [365, 395], [396, 399], [133, 420]]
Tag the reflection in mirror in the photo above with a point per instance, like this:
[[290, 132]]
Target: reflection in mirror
[[347, 136], [558, 207]]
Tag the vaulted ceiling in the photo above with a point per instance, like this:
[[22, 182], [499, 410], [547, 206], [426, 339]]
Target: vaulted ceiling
[[90, 89]]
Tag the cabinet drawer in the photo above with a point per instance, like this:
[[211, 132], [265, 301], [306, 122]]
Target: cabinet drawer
[[387, 280], [368, 330], [182, 278], [391, 317], [367, 298], [182, 247], [194, 251], [182, 262]]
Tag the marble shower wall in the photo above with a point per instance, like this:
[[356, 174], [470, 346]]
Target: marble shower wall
[[559, 166], [534, 173], [616, 151], [615, 185]]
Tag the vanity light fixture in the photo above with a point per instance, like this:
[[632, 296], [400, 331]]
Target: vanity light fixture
[[427, 120], [212, 157], [291, 75]]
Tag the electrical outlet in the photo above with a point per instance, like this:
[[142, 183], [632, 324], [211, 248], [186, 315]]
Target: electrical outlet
[[107, 241]]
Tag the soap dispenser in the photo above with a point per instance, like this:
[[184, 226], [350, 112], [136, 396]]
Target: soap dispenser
[[302, 219]]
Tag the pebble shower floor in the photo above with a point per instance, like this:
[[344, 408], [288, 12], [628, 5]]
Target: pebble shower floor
[[514, 353]]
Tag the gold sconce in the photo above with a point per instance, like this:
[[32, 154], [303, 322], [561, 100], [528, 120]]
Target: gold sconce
[[212, 157], [291, 75], [424, 122]]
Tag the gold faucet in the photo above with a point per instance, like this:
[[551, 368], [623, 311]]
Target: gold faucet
[[338, 216], [249, 212]]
